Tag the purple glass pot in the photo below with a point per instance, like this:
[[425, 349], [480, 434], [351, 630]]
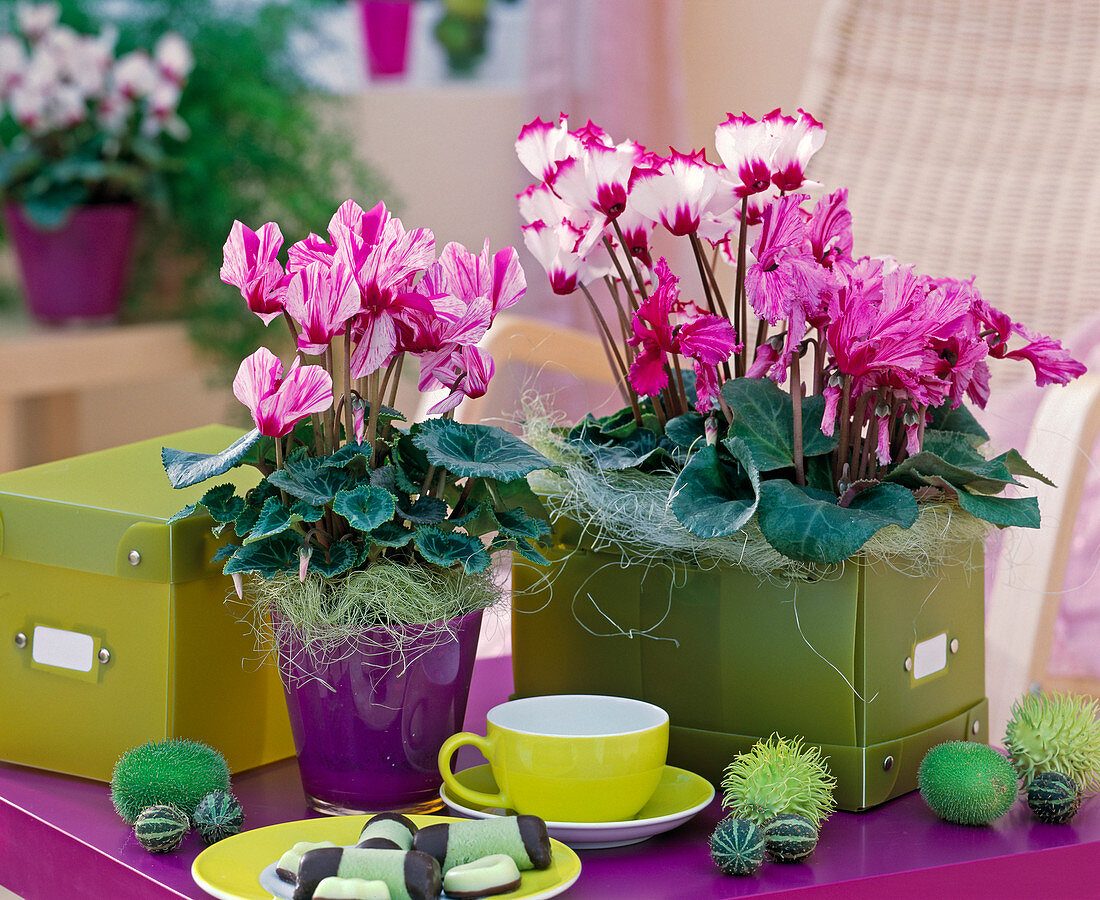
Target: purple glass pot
[[76, 272], [368, 721]]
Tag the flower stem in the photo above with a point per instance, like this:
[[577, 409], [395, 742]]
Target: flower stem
[[739, 300], [461, 501], [629, 260], [293, 331], [796, 402], [622, 274], [375, 408], [845, 426], [330, 413], [349, 427], [609, 344], [681, 397]]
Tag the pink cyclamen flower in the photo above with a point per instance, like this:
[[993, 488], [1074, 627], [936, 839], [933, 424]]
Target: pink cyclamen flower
[[771, 151], [552, 245], [830, 229], [1050, 360], [277, 404], [677, 192], [597, 178], [321, 299], [497, 277], [251, 265], [541, 146], [466, 370]]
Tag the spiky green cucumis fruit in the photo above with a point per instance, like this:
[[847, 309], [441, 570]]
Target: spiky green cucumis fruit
[[161, 828], [967, 783], [218, 815], [737, 846], [779, 776], [175, 771], [1053, 798], [1055, 733], [790, 838]]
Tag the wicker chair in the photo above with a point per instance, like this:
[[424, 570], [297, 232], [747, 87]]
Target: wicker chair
[[967, 133]]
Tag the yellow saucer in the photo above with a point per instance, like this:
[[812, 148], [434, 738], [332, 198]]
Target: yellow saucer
[[242, 867], [679, 796]]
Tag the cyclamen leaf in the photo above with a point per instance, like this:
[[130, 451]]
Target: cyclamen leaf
[[274, 519], [222, 503], [225, 551], [425, 511], [446, 548], [523, 548], [307, 512], [807, 525], [704, 501], [688, 430], [365, 507], [390, 534], [1017, 465], [310, 480], [516, 523], [185, 468], [185, 513], [266, 558], [959, 420], [246, 521], [1002, 511], [342, 556], [763, 417], [476, 451], [347, 454]]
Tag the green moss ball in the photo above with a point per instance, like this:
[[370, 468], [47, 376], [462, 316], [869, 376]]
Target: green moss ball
[[218, 815], [161, 828], [967, 783], [737, 846], [177, 772]]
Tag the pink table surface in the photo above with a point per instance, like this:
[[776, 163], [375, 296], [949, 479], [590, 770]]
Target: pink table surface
[[60, 837]]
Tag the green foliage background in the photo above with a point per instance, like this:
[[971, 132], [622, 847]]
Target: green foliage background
[[261, 149]]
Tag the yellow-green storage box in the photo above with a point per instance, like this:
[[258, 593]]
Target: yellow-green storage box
[[113, 625]]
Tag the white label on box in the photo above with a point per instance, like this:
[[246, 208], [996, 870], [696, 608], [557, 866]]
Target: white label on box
[[63, 649], [930, 656]]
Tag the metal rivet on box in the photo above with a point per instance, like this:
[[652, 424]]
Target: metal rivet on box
[[908, 664], [20, 640], [976, 727], [134, 557], [104, 655], [954, 645], [888, 764]]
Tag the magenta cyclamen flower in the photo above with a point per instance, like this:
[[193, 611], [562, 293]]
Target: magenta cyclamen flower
[[251, 264], [321, 299], [597, 178], [277, 404], [1050, 360], [706, 339], [676, 192], [786, 283], [830, 229]]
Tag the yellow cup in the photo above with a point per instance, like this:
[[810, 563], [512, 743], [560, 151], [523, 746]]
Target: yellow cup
[[568, 757]]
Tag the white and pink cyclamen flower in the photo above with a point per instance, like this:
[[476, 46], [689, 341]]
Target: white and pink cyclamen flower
[[278, 403]]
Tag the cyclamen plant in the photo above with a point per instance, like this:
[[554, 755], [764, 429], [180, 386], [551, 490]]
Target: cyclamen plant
[[77, 124], [344, 486], [823, 448]]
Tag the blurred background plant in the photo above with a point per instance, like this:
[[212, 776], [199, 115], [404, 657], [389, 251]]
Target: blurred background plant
[[263, 145]]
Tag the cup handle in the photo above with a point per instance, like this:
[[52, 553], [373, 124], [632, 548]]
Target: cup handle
[[456, 790]]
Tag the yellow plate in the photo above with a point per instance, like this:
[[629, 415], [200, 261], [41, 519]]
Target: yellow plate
[[231, 869]]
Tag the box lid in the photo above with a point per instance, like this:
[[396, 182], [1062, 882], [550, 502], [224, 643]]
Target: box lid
[[107, 512]]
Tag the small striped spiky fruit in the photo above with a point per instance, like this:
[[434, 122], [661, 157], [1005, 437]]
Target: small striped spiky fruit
[[1056, 733], [161, 828], [1053, 798], [779, 776], [790, 838], [967, 783], [737, 846], [218, 816]]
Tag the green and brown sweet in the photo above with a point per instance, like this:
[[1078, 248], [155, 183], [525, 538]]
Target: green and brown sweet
[[779, 776], [967, 783], [178, 772]]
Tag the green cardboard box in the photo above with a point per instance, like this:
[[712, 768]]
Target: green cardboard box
[[872, 665], [113, 625]]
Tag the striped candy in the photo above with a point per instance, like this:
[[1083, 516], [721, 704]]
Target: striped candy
[[737, 846], [161, 828]]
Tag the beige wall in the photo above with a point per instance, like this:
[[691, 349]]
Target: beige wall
[[743, 56]]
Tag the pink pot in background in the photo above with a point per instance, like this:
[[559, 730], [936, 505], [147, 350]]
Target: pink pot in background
[[385, 26], [76, 272]]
